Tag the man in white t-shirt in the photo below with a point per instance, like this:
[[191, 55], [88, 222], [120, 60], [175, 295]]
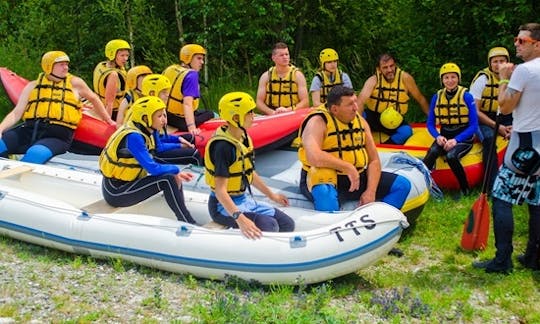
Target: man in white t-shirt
[[485, 91], [518, 179]]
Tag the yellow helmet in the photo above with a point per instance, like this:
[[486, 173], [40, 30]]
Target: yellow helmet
[[390, 118], [134, 73], [328, 55], [236, 103], [146, 106], [156, 83], [49, 58], [114, 46], [448, 68], [498, 51], [187, 52]]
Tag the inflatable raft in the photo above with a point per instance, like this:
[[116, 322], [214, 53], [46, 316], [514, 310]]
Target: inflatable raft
[[63, 209], [418, 144], [267, 132]]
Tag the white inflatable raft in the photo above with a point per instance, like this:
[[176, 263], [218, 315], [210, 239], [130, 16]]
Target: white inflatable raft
[[63, 209]]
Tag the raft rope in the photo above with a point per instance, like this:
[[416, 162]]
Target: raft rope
[[405, 158]]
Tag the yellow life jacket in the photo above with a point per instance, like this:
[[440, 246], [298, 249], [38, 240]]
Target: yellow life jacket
[[453, 112], [347, 142], [240, 172], [175, 104], [490, 94], [387, 94], [54, 101], [101, 72], [116, 161], [327, 84], [281, 92]]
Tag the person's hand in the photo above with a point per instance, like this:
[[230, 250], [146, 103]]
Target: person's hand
[[366, 198], [441, 140], [194, 130], [505, 70], [505, 131], [185, 176], [248, 228], [280, 199], [282, 110], [450, 144], [354, 177], [185, 142], [112, 123]]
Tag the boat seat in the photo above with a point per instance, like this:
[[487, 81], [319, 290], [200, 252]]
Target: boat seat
[[214, 226], [99, 207], [6, 173]]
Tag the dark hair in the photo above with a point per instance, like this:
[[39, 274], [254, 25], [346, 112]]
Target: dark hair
[[534, 28], [384, 57], [336, 93], [279, 45]]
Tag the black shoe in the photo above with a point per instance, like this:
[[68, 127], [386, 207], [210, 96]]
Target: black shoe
[[491, 266], [526, 262], [396, 252]]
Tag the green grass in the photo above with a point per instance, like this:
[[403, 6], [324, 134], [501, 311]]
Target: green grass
[[433, 282]]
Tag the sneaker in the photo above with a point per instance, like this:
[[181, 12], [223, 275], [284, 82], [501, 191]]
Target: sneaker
[[491, 266], [526, 262]]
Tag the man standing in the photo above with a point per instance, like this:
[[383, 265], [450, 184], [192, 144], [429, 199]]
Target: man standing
[[283, 87], [485, 90], [518, 179], [386, 96]]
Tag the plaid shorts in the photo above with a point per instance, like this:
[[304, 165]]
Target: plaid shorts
[[516, 188]]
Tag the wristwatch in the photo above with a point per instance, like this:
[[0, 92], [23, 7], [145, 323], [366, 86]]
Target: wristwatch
[[236, 214]]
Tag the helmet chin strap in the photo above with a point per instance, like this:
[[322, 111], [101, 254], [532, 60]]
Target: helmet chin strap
[[56, 76]]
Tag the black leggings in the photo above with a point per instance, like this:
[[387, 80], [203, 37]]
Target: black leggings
[[123, 194], [180, 122]]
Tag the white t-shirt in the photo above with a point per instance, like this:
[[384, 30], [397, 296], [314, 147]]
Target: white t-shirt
[[477, 87], [526, 79]]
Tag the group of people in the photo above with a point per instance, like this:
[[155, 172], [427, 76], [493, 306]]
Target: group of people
[[338, 154]]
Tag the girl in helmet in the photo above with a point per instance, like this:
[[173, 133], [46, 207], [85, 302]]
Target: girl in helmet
[[170, 148], [110, 77], [453, 108], [135, 76], [329, 75], [230, 171], [48, 125], [130, 172]]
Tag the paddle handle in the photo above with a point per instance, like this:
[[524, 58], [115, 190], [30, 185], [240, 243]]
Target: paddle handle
[[487, 165]]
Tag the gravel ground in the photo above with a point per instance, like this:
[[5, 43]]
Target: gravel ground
[[34, 290]]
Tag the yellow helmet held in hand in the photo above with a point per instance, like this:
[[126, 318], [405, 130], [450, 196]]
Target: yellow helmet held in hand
[[114, 46], [328, 55], [236, 103], [134, 73], [390, 118], [155, 83], [449, 68], [146, 106], [498, 51], [48, 59], [187, 52]]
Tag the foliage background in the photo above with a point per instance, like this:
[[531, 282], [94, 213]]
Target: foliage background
[[239, 34]]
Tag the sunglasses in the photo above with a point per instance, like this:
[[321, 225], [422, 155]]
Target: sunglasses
[[526, 39]]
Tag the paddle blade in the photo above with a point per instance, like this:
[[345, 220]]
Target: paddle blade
[[476, 228]]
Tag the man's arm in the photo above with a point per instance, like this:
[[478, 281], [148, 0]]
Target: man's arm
[[366, 91], [303, 95], [85, 92], [261, 95], [412, 88], [15, 115], [508, 97], [110, 91], [373, 170]]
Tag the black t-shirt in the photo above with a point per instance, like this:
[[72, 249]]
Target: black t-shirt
[[222, 154]]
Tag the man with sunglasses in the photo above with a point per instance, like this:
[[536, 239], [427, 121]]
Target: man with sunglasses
[[518, 179]]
